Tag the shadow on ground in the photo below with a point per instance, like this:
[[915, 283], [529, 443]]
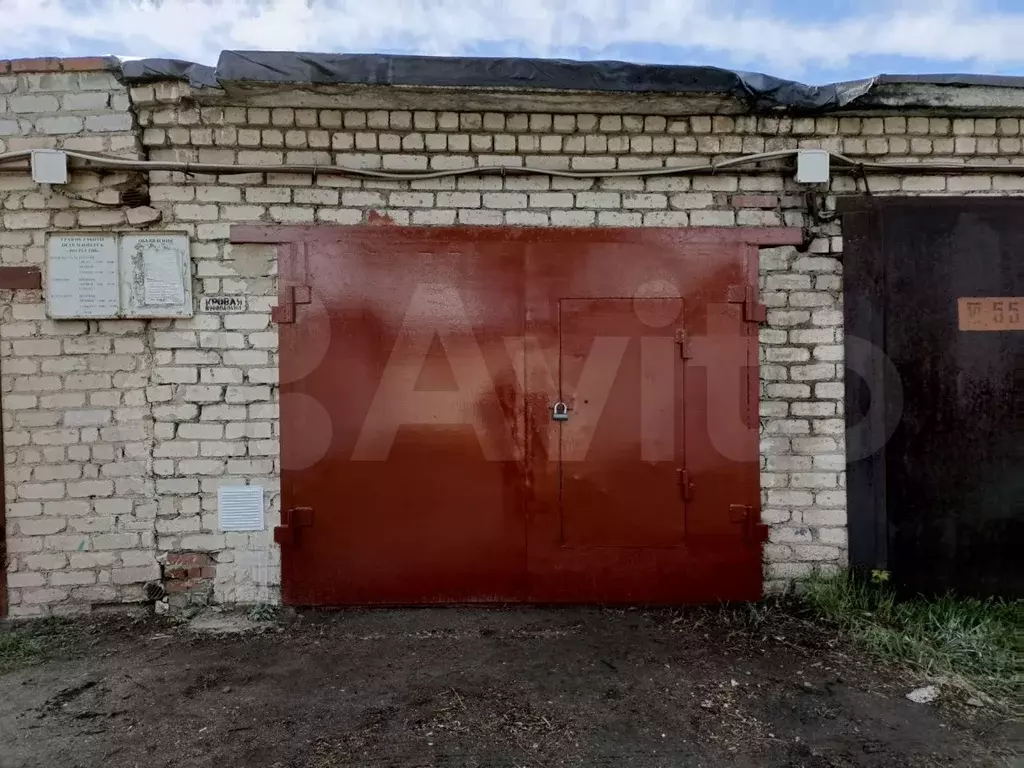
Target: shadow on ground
[[467, 687]]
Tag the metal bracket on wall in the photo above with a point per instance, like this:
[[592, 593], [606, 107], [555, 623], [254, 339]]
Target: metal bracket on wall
[[287, 298], [753, 311]]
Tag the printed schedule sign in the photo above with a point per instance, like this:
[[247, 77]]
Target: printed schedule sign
[[82, 276], [112, 274]]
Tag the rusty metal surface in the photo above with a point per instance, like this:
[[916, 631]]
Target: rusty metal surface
[[21, 278], [931, 284], [3, 537], [987, 313], [419, 369]]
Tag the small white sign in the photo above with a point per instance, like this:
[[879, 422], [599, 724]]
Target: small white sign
[[240, 507], [222, 304]]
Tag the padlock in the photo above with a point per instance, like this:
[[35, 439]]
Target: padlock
[[560, 412]]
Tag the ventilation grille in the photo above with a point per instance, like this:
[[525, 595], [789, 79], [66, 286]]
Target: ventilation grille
[[240, 507]]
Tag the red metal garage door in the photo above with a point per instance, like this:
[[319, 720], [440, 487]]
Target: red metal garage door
[[421, 373]]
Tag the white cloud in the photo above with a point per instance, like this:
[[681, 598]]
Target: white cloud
[[954, 34]]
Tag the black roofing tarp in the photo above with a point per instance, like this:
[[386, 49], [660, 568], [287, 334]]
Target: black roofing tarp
[[760, 92]]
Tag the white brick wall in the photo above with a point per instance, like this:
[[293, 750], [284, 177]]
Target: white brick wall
[[117, 434]]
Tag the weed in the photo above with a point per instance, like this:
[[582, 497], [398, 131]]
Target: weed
[[264, 612], [190, 611], [34, 642], [971, 642]]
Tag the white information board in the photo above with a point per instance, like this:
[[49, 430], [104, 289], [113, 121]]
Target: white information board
[[82, 276], [110, 274], [156, 275]]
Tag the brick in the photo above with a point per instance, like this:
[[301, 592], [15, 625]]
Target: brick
[[755, 201], [26, 220], [47, 64], [72, 578], [504, 200], [813, 480], [573, 218], [829, 426], [88, 64], [790, 534], [666, 219], [33, 103], [135, 575], [969, 183], [174, 339], [59, 125], [811, 299], [814, 445], [41, 490], [787, 498], [108, 123], [824, 517], [41, 526], [598, 199], [24, 509], [209, 542], [788, 570], [87, 418], [90, 488], [44, 596]]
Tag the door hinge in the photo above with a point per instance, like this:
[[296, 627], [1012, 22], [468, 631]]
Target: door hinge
[[746, 515], [685, 484], [753, 311], [287, 297], [291, 520], [683, 340]]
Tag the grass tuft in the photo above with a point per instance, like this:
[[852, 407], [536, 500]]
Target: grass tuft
[[34, 641], [264, 612], [972, 643]]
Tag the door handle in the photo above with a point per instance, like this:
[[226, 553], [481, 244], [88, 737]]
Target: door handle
[[291, 520]]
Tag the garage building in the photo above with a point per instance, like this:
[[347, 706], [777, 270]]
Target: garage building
[[495, 330]]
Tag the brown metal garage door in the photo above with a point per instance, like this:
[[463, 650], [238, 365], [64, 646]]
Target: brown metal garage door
[[425, 457]]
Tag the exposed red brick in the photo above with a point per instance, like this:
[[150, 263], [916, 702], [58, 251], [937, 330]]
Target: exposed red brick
[[35, 65], [86, 64], [755, 201], [178, 586], [379, 219], [189, 558], [208, 572]]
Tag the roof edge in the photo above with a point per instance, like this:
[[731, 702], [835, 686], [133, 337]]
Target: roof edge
[[269, 70]]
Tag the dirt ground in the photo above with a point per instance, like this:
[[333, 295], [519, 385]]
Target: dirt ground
[[469, 687]]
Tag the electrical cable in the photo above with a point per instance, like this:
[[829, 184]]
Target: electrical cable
[[115, 163], [845, 164]]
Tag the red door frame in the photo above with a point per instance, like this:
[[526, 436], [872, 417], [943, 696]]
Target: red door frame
[[290, 240]]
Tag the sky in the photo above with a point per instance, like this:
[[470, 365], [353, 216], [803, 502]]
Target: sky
[[814, 41]]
